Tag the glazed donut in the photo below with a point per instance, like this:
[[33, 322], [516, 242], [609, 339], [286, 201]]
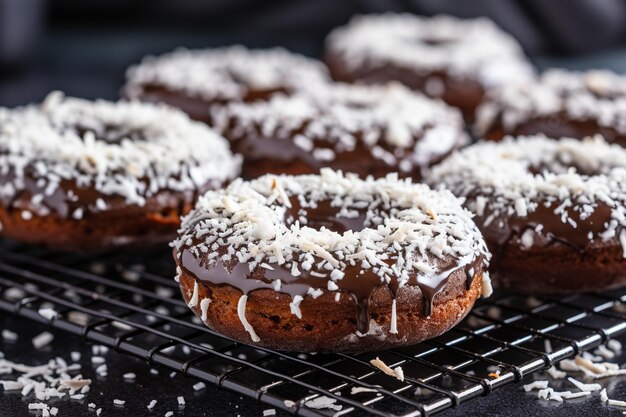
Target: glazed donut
[[364, 129], [196, 80], [553, 213], [330, 262], [81, 175], [559, 104], [456, 60]]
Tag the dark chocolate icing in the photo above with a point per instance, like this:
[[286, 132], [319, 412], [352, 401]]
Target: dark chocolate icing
[[548, 226], [556, 126], [358, 282]]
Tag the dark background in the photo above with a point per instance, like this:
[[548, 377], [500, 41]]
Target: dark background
[[84, 47]]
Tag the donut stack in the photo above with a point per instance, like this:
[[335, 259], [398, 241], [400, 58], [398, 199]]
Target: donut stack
[[337, 207]]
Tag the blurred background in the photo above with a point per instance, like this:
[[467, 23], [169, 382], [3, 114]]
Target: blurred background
[[84, 47]]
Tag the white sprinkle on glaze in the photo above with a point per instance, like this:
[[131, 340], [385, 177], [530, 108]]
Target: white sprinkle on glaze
[[174, 153]]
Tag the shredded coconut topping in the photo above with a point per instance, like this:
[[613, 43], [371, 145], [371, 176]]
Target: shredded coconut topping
[[127, 149], [226, 73], [598, 95], [399, 237], [460, 47], [399, 127], [575, 175]]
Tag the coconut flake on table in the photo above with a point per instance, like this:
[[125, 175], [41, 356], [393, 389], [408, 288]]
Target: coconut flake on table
[[199, 386], [9, 336], [43, 339], [48, 313], [323, 402]]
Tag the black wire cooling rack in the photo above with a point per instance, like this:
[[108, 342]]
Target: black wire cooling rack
[[131, 303]]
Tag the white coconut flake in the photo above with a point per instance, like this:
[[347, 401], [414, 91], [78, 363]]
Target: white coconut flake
[[616, 403], [241, 311], [43, 339], [193, 301], [295, 306], [323, 402], [9, 336], [555, 373], [48, 313], [536, 385], [584, 387], [603, 395]]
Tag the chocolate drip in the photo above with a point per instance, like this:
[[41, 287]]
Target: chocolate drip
[[360, 284]]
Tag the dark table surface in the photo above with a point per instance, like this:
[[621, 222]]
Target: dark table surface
[[91, 64]]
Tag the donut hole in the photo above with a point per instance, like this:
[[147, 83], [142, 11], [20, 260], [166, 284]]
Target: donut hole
[[112, 134], [325, 216]]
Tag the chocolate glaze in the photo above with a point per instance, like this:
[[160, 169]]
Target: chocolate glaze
[[552, 230], [265, 154], [68, 196], [196, 107], [556, 126], [357, 282], [465, 93]]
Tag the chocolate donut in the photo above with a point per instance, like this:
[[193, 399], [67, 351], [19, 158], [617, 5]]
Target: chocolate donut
[[553, 213], [330, 262], [370, 130], [457, 60], [194, 81], [560, 104], [81, 175]]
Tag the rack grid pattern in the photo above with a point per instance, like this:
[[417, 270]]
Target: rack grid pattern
[[130, 302]]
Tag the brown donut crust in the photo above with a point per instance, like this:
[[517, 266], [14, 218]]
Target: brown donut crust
[[121, 225], [558, 268], [327, 325], [464, 93]]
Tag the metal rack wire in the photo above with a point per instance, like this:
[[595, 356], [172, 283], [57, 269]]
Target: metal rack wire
[[131, 303]]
